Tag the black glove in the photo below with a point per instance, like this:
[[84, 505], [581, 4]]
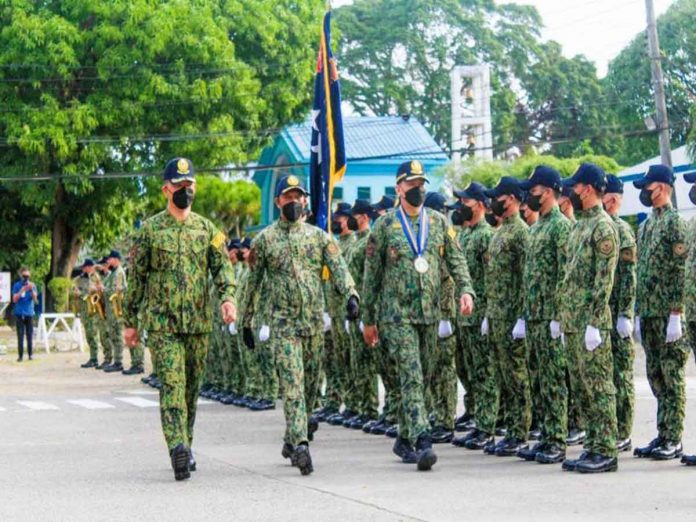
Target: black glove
[[353, 308], [248, 337]]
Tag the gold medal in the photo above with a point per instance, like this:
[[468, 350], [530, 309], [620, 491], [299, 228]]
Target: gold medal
[[421, 265]]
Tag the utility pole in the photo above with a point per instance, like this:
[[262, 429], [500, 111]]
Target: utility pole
[[658, 83]]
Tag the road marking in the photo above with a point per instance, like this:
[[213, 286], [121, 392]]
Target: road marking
[[140, 392], [91, 404], [204, 401], [138, 401], [38, 405]]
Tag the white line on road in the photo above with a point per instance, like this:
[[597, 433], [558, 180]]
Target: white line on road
[[91, 404], [140, 392], [138, 401], [38, 405]]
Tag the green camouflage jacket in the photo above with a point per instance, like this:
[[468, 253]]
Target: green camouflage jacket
[[504, 271], [355, 257], [545, 266], [292, 257], [393, 290], [690, 276], [593, 250], [661, 264], [623, 295], [474, 241], [336, 302], [168, 279]]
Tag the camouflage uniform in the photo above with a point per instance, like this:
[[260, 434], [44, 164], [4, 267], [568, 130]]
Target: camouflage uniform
[[115, 283], [505, 303], [472, 348], [592, 256], [264, 376], [235, 376], [338, 364], [406, 304], [103, 324], [543, 275], [291, 256], [168, 296], [660, 291], [216, 363], [622, 302], [363, 357], [690, 283], [137, 353], [91, 321]]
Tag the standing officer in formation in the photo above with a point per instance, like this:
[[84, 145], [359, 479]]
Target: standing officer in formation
[[292, 256], [174, 254], [544, 270], [622, 303], [87, 288], [401, 293], [659, 309], [690, 284], [586, 321]]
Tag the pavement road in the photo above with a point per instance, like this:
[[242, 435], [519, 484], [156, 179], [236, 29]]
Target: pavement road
[[81, 445]]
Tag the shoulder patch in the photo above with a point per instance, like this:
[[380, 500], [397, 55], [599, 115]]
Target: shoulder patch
[[451, 233], [218, 240], [679, 249], [332, 248], [628, 255], [606, 246]]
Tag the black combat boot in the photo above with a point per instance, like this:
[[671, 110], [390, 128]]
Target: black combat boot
[[180, 457], [404, 450], [597, 464], [424, 453], [645, 451], [301, 459]]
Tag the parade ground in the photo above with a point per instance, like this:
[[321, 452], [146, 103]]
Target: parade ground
[[83, 445]]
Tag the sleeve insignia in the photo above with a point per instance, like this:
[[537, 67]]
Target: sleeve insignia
[[332, 248], [218, 240], [628, 255], [606, 246], [679, 249]]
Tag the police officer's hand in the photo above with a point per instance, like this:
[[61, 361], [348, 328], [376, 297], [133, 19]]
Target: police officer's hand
[[131, 337], [229, 312], [466, 304], [248, 338], [371, 335], [352, 308]]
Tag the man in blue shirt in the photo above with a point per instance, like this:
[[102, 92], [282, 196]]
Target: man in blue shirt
[[24, 296]]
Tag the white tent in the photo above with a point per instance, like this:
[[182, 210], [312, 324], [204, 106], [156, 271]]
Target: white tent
[[682, 164]]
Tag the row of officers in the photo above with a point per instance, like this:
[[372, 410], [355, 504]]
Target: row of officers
[[537, 322]]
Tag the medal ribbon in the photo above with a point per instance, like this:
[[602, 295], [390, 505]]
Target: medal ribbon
[[417, 244]]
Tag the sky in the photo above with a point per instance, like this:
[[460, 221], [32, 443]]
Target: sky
[[599, 29]]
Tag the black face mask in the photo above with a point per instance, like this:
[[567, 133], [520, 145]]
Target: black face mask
[[336, 228], [575, 201], [240, 256], [183, 198], [292, 211], [352, 223], [416, 196], [498, 207], [646, 197], [534, 202], [457, 218], [692, 194], [467, 213], [490, 219]]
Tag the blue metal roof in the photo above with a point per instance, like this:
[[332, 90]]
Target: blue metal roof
[[372, 137]]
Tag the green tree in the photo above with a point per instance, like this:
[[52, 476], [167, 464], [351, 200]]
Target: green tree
[[628, 84], [92, 87]]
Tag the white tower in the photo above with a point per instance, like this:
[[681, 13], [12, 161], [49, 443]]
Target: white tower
[[471, 112]]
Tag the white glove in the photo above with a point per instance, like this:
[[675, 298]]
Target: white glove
[[232, 328], [592, 338], [346, 325], [264, 333], [624, 327], [674, 328], [555, 328], [636, 332], [444, 329], [361, 326], [520, 330], [327, 322], [484, 327]]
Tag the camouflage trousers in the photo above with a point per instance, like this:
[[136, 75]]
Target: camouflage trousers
[[440, 379], [214, 367], [332, 395], [513, 377], [691, 330], [105, 340], [298, 361], [365, 375], [551, 366], [406, 344], [91, 326], [484, 380], [266, 385], [534, 382], [340, 369], [386, 368], [666, 365], [592, 376], [137, 355], [180, 361], [252, 374], [464, 359], [623, 353], [575, 418], [234, 376], [114, 328]]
